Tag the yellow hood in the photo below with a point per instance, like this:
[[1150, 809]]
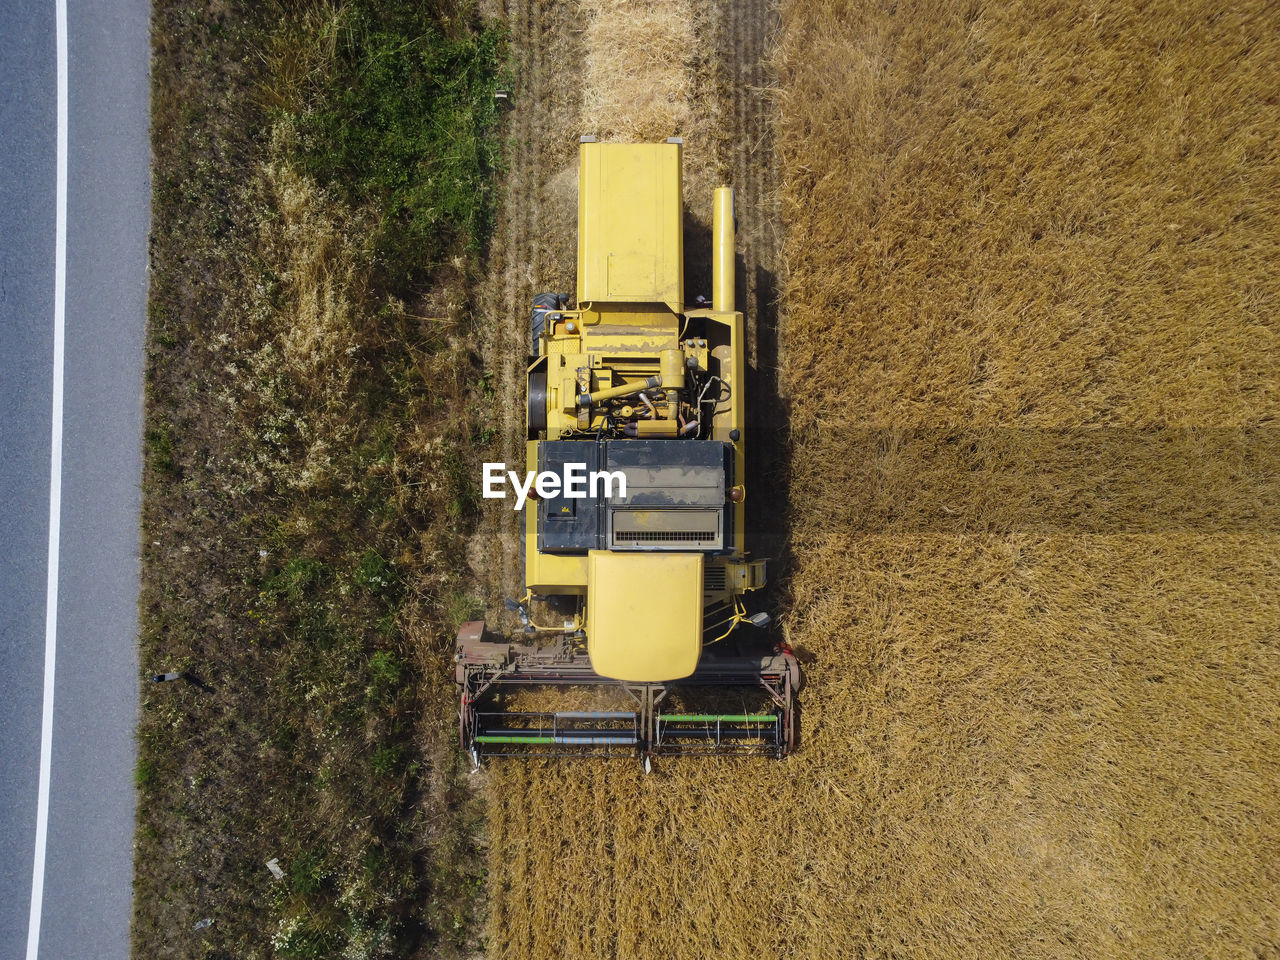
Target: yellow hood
[[644, 615]]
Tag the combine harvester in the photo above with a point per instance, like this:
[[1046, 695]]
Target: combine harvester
[[635, 538]]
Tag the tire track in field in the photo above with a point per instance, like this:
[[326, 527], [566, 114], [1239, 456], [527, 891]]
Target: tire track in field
[[533, 249], [748, 30]]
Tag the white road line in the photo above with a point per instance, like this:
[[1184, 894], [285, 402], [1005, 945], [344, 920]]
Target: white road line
[[55, 493]]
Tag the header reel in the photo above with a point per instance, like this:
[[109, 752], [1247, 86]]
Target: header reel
[[652, 719]]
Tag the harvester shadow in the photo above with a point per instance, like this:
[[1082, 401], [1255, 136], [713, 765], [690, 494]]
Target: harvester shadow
[[768, 451], [768, 479], [697, 259]]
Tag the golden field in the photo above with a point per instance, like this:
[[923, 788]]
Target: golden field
[[1028, 367]]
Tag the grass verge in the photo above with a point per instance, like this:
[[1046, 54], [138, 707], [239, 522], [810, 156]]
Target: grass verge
[[320, 201]]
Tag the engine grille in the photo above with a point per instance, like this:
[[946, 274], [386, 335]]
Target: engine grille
[[714, 579], [665, 529], [707, 537]]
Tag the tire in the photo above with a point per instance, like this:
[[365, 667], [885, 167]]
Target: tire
[[536, 409], [542, 304]]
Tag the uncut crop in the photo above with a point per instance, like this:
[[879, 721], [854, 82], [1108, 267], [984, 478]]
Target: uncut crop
[[1030, 369]]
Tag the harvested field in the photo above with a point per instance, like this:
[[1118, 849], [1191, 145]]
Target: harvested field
[[1029, 481]]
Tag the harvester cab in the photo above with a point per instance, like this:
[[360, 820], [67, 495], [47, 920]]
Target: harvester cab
[[634, 534]]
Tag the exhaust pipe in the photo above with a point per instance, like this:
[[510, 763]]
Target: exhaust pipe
[[723, 243]]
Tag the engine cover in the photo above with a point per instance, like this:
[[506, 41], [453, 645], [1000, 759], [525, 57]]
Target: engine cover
[[675, 496]]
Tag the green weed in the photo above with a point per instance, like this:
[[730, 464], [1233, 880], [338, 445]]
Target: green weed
[[144, 773], [160, 449], [402, 113], [386, 673]]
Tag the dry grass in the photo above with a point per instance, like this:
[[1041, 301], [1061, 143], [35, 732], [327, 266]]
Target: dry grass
[[638, 72], [320, 255], [307, 495], [1042, 717], [647, 76]]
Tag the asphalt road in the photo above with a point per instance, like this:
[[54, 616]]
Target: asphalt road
[[88, 866]]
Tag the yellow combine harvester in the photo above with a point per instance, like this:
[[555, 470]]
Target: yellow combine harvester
[[634, 528]]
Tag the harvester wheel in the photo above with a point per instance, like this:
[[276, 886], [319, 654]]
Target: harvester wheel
[[537, 410], [542, 303]]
